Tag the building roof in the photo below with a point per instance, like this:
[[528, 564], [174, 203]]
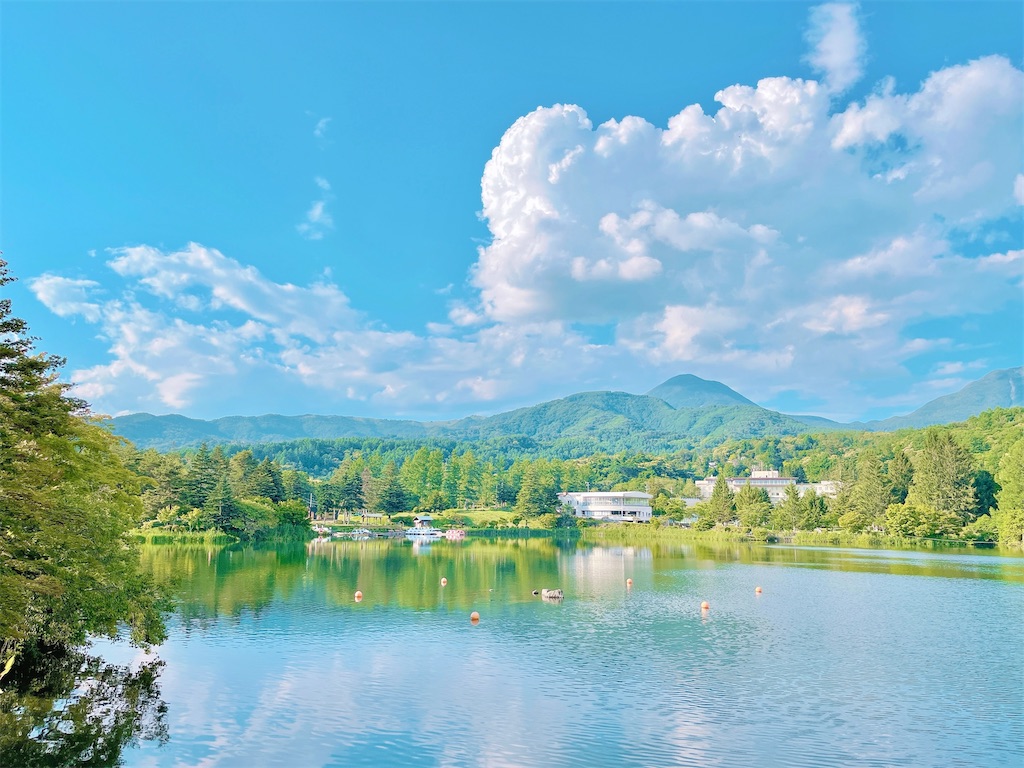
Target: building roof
[[608, 494]]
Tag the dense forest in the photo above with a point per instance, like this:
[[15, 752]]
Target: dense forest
[[962, 480]]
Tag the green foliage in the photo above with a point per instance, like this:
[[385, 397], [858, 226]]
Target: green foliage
[[1010, 477], [721, 507], [870, 495], [68, 565], [65, 708], [537, 495], [787, 515], [984, 528], [899, 476], [753, 507], [944, 477]]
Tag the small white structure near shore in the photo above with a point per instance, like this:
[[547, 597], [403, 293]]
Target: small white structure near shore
[[610, 506]]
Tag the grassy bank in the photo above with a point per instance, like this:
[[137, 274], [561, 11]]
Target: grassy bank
[[878, 541], [625, 533], [159, 536], [614, 533]]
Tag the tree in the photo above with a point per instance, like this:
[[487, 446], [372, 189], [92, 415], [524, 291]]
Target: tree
[[264, 482], [537, 494], [393, 497], [794, 468], [900, 474], [296, 485], [68, 565], [944, 477], [220, 506], [814, 511], [689, 490], [787, 514], [1009, 516], [753, 507], [201, 478], [369, 487], [869, 496], [241, 468], [721, 505], [351, 492], [985, 490]]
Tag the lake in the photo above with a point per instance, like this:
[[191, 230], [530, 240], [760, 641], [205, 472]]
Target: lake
[[846, 658]]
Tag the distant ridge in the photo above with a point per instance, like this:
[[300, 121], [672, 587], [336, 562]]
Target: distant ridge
[[998, 389], [682, 411]]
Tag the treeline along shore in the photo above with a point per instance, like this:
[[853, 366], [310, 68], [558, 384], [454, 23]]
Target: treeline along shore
[[962, 481]]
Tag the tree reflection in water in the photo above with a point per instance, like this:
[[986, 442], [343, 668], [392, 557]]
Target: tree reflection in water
[[72, 709]]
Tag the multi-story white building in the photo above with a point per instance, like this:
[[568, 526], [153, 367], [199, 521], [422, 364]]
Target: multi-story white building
[[610, 506], [770, 482]]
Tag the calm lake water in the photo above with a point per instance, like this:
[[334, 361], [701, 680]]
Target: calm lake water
[[847, 658]]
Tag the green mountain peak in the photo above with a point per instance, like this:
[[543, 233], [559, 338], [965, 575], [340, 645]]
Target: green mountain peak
[[689, 391]]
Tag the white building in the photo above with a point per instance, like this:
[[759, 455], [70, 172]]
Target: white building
[[610, 506], [771, 483]]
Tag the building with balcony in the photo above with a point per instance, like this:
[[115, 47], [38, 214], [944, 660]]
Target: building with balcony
[[609, 506]]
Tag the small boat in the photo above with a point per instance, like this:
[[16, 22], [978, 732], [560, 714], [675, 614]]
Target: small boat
[[454, 534], [424, 533]]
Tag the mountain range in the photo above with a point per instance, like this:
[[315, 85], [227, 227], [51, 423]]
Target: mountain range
[[683, 410]]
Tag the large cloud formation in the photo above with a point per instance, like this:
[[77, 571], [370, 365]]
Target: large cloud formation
[[773, 233], [779, 238]]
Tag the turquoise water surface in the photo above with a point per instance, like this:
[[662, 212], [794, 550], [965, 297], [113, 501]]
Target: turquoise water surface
[[847, 657]]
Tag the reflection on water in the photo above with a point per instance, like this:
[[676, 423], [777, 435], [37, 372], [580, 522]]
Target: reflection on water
[[847, 658], [73, 709]]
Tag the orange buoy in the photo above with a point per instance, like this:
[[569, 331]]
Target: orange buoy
[[705, 605], [474, 617], [629, 582], [757, 590], [359, 595], [444, 582]]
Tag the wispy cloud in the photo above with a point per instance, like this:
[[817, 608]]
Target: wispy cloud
[[318, 219], [66, 296], [320, 129], [837, 45]]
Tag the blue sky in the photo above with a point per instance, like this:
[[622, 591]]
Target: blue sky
[[428, 210]]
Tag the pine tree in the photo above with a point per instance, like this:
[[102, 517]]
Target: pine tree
[[753, 507], [944, 477], [537, 494], [220, 506], [393, 497], [722, 504], [241, 471], [201, 478], [900, 473], [869, 496], [787, 514]]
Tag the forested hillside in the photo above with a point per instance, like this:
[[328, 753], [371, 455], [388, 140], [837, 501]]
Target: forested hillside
[[959, 480], [683, 412]]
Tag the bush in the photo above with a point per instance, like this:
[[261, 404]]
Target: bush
[[982, 529]]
